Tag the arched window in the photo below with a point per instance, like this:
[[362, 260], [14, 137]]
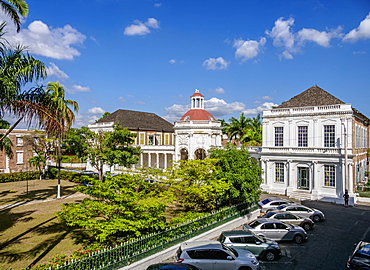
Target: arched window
[[184, 154], [200, 154]]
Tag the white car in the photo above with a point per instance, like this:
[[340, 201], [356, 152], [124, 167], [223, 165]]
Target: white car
[[212, 255], [314, 214], [271, 203]]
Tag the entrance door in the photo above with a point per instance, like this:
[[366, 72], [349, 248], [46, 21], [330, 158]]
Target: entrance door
[[303, 179]]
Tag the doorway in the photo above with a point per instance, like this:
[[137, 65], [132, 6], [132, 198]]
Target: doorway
[[303, 178]]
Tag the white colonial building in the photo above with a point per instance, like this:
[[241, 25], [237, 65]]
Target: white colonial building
[[314, 147], [197, 131]]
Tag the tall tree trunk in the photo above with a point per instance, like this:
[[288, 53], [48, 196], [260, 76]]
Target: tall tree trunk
[[11, 129]]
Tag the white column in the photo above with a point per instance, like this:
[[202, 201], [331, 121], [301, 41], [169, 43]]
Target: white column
[[149, 159], [157, 160], [165, 161]]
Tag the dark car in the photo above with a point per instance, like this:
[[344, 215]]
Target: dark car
[[172, 266], [360, 258]]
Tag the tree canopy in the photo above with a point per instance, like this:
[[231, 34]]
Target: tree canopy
[[241, 171]]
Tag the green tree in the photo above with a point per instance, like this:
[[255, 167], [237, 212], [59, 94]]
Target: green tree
[[62, 108], [18, 69], [123, 206], [110, 147], [14, 8], [39, 162], [104, 115], [241, 171], [236, 129], [196, 186], [6, 144], [253, 134]]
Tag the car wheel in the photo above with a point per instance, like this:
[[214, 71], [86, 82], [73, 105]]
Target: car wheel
[[306, 226], [298, 239], [270, 255], [316, 218]]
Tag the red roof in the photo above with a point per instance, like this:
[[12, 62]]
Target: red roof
[[197, 94], [197, 114]]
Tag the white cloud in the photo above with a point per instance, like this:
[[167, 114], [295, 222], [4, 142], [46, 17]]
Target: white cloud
[[260, 109], [46, 41], [248, 49], [54, 70], [281, 33], [361, 32], [172, 61], [77, 88], [267, 98], [218, 90], [140, 28], [216, 63], [322, 38], [217, 107], [122, 99], [95, 110], [157, 5], [283, 36]]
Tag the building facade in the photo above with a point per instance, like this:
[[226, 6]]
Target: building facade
[[154, 135], [197, 131], [22, 152], [314, 147]]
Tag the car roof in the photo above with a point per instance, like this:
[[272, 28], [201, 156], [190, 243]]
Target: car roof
[[172, 265], [237, 233], [201, 244]]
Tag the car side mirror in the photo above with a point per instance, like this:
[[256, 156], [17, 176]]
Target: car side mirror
[[230, 258], [287, 228], [258, 242]]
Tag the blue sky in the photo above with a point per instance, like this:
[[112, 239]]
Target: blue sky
[[243, 56]]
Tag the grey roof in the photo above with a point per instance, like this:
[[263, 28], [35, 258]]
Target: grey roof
[[313, 96], [135, 120]]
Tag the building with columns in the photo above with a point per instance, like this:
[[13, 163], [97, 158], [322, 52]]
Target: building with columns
[[314, 147], [154, 135], [197, 131]]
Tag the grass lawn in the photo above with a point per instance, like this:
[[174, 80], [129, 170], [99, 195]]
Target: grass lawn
[[30, 233]]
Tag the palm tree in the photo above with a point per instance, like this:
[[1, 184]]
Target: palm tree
[[56, 102], [14, 8], [17, 69], [253, 135], [6, 144], [236, 129]]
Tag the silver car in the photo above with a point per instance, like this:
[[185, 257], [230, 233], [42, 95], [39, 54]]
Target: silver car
[[290, 218], [271, 203], [304, 211], [212, 255], [276, 230]]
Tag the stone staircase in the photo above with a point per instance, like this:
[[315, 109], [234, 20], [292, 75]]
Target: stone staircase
[[300, 195]]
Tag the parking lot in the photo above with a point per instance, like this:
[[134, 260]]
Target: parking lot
[[330, 243]]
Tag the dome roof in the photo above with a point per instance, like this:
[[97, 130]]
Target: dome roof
[[197, 114]]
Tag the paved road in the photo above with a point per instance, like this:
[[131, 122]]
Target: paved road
[[331, 241]]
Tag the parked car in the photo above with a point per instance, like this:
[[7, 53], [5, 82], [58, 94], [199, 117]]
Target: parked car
[[277, 230], [212, 255], [172, 266], [314, 214], [271, 203], [360, 258], [290, 218], [264, 249]]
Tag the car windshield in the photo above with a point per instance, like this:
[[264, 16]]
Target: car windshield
[[364, 250], [266, 201], [255, 223], [282, 206], [270, 214], [230, 250]]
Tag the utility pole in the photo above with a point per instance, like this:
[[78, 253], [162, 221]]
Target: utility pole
[[345, 159]]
